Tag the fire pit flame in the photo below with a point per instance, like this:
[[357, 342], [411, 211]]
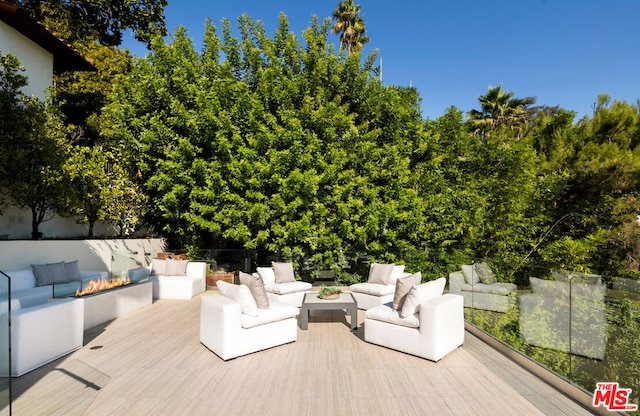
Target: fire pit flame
[[97, 285]]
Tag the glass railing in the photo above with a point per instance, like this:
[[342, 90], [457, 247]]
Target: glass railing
[[122, 263], [5, 339], [583, 327]]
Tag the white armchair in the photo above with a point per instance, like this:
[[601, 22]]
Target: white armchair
[[379, 287], [435, 329], [233, 327]]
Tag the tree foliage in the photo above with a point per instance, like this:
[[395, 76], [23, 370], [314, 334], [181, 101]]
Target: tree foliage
[[101, 20]]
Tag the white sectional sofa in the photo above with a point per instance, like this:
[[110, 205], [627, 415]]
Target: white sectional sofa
[[27, 290], [232, 325], [177, 279], [480, 291]]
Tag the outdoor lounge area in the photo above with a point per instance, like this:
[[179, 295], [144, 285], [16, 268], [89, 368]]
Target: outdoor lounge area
[[151, 362]]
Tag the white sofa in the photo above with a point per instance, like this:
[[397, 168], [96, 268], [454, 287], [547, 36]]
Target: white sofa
[[230, 333], [291, 292], [41, 334], [177, 279], [25, 291], [493, 296], [377, 290], [569, 319], [435, 328]]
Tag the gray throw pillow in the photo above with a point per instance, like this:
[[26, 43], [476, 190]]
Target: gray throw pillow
[[72, 273], [41, 275], [256, 286], [403, 286]]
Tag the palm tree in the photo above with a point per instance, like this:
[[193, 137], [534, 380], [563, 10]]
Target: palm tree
[[499, 108], [350, 25]]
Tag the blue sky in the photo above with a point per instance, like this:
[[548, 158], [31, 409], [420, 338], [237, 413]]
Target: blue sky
[[564, 52]]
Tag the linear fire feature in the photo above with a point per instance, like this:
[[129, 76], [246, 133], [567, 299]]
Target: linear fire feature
[[106, 299]]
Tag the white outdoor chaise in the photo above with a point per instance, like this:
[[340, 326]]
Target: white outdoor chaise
[[429, 325]]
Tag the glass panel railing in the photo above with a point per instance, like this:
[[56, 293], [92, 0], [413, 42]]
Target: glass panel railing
[[583, 327], [121, 263], [5, 341]]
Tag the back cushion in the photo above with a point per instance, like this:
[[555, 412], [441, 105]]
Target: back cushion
[[22, 279]]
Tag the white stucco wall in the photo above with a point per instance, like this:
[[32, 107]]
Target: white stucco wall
[[16, 224], [94, 255], [37, 61]]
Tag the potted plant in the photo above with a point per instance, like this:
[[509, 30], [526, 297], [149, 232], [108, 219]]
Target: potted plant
[[329, 292]]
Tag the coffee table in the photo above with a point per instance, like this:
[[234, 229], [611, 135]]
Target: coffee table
[[311, 302]]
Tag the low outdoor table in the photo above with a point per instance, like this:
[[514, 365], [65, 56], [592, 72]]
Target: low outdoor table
[[312, 302]]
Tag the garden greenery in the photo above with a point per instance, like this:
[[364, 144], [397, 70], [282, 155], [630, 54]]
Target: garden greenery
[[285, 144]]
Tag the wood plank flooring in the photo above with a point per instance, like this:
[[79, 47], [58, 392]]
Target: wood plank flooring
[[151, 362]]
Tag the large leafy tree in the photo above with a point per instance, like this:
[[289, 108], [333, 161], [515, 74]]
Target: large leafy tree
[[32, 148], [348, 22], [104, 21], [281, 145]]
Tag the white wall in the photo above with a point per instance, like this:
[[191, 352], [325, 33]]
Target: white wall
[[37, 61], [94, 255], [16, 224]]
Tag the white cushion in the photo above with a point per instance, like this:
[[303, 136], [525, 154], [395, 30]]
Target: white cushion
[[241, 294], [277, 311], [386, 314], [397, 272], [159, 267], [256, 286], [374, 289], [176, 267], [420, 293], [286, 288], [283, 272], [381, 273], [403, 286], [267, 274], [22, 279], [495, 289], [470, 274]]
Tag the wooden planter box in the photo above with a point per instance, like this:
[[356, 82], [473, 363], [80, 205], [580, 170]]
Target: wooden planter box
[[212, 278]]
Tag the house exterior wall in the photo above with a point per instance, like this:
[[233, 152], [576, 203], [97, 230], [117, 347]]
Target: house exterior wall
[[37, 61]]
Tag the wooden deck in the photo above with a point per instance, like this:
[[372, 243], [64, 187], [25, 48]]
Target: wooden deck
[[151, 362]]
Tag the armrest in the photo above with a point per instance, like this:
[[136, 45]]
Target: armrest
[[197, 269], [442, 314], [456, 281]]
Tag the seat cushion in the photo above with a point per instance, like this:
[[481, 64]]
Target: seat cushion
[[373, 289], [286, 288], [277, 311], [385, 313]]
